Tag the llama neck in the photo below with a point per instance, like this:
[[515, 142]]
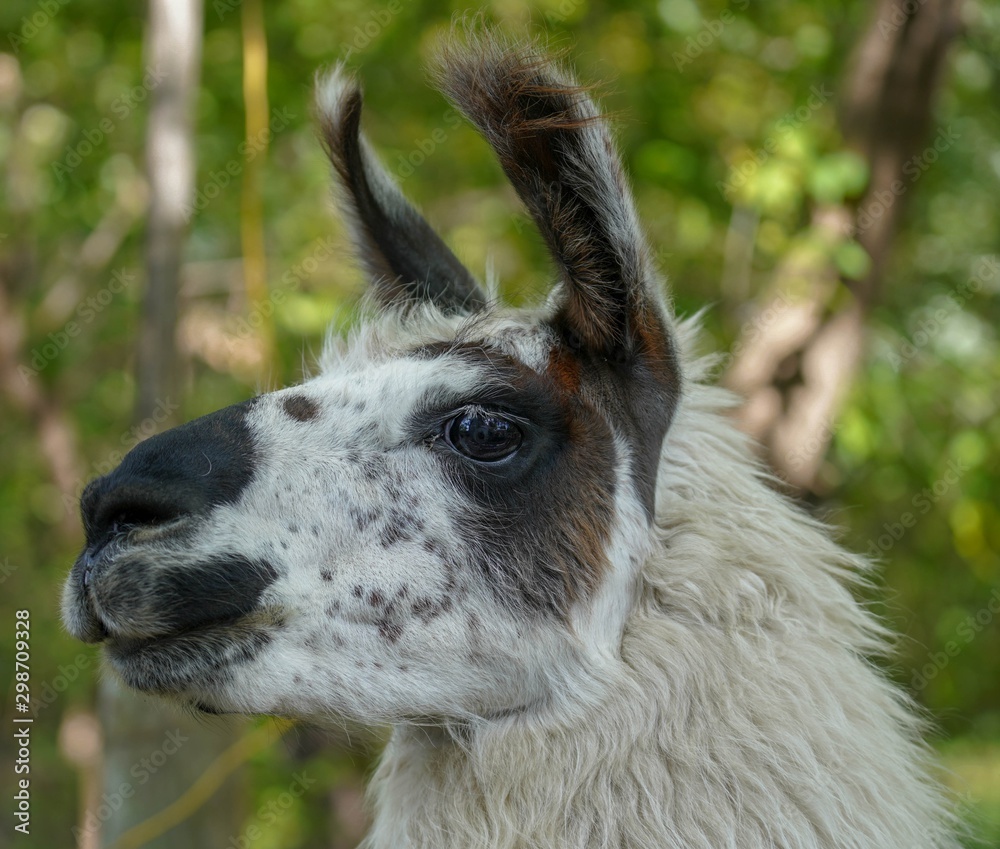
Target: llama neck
[[743, 740]]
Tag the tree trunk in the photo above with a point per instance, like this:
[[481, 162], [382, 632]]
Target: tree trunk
[[156, 753], [798, 354]]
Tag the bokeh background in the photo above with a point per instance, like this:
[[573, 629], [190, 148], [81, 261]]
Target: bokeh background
[[822, 176]]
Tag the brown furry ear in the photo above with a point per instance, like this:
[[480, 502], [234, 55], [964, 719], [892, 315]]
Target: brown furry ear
[[558, 154], [405, 258]]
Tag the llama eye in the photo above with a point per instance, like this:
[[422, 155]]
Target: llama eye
[[482, 436]]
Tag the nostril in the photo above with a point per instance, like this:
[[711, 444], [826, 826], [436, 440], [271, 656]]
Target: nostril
[[113, 522], [133, 516], [96, 549], [164, 478], [125, 510]]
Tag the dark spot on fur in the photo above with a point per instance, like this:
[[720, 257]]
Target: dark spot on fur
[[300, 408], [364, 519], [391, 533], [425, 608], [390, 631], [326, 574], [376, 599], [374, 467], [357, 591]]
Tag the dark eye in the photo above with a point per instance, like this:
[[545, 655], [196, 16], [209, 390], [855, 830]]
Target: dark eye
[[487, 437]]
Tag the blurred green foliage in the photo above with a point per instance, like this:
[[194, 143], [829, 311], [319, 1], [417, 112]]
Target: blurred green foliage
[[697, 90]]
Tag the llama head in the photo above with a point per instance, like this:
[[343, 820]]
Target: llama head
[[449, 520]]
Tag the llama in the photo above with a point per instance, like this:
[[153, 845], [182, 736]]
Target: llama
[[530, 540]]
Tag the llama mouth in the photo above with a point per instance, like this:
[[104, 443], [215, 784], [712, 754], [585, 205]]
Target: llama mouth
[[197, 658], [123, 536], [140, 599], [83, 611]]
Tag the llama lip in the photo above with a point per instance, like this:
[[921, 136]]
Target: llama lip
[[173, 663], [124, 646], [94, 556]]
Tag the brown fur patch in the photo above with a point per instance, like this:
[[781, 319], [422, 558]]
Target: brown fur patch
[[300, 408], [559, 496], [554, 147]]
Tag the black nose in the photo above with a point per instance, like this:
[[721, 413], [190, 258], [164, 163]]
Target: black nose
[[187, 470]]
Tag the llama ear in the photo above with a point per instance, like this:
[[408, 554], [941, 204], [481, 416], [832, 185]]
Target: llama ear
[[558, 154], [405, 259]]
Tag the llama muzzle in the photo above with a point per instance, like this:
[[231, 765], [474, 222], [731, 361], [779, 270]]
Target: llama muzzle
[[138, 577]]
